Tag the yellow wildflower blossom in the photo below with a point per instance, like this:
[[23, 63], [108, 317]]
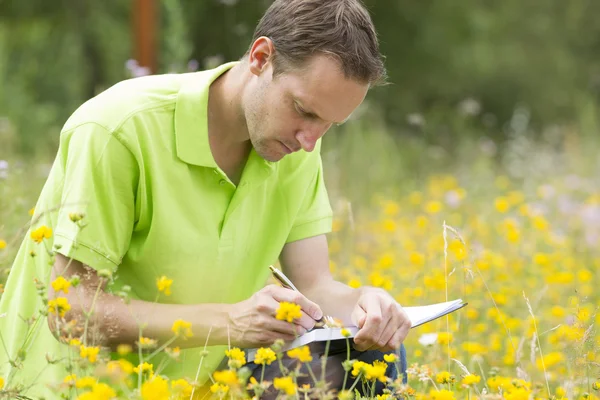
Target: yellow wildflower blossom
[[145, 367], [237, 357], [376, 371], [59, 306], [90, 353], [2, 244], [390, 357], [147, 343], [100, 391], [182, 328], [285, 384], [181, 388], [41, 233], [164, 285], [301, 353], [518, 394], [219, 389], [124, 349], [265, 355], [156, 388], [227, 377], [441, 395], [70, 379], [444, 377], [288, 311], [86, 381], [471, 379], [61, 283]]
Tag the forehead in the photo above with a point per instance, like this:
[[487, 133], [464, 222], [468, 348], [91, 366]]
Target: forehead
[[321, 87]]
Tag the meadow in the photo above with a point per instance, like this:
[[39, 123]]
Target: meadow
[[512, 229]]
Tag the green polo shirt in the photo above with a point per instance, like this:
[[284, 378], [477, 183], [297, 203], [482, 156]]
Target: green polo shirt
[[137, 162]]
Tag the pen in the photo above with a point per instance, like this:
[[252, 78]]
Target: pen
[[287, 283]]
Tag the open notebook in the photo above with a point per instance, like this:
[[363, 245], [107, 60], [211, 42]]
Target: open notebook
[[418, 315]]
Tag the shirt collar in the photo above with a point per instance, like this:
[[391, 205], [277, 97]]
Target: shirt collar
[[191, 117]]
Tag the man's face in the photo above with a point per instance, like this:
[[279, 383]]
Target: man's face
[[294, 110]]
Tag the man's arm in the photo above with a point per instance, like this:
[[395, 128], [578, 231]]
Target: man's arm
[[383, 323], [306, 263], [249, 323]]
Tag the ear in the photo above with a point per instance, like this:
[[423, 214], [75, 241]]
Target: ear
[[261, 54]]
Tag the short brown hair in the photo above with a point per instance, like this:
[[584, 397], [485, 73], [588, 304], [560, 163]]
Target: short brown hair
[[340, 28]]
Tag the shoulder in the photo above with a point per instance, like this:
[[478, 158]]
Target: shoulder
[[128, 98]]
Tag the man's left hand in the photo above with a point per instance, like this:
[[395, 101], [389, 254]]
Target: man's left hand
[[383, 324]]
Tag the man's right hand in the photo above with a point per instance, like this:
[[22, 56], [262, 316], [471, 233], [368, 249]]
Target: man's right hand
[[252, 322]]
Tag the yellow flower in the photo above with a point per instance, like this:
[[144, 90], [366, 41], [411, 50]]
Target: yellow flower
[[354, 283], [358, 367], [237, 357], [301, 353], [100, 391], [227, 377], [390, 357], [2, 244], [181, 388], [61, 283], [156, 388], [433, 207], [471, 379], [124, 349], [145, 367], [288, 311], [219, 389], [182, 328], [502, 204], [86, 381], [91, 353], [376, 371], [444, 338], [41, 233], [518, 394], [264, 355], [164, 285], [147, 343], [75, 342], [119, 367], [59, 306], [345, 332], [550, 359], [417, 259], [596, 385], [285, 384], [441, 395], [444, 377], [384, 396], [69, 380]]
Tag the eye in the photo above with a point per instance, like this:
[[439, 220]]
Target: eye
[[303, 113]]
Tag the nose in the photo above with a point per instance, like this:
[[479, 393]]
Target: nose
[[308, 138]]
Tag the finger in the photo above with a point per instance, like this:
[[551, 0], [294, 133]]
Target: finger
[[358, 316], [280, 294], [374, 324], [393, 325]]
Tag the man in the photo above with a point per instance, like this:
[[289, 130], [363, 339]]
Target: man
[[203, 179]]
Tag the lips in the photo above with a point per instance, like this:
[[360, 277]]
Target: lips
[[287, 149]]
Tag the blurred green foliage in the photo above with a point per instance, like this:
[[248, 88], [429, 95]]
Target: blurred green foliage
[[456, 68]]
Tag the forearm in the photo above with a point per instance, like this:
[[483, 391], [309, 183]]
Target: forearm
[[106, 319], [335, 299]]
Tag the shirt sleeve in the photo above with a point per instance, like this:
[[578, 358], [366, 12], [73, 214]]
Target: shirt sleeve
[[100, 181], [315, 216]]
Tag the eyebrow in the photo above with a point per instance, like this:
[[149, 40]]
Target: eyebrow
[[313, 114]]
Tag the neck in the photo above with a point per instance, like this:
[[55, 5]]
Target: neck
[[226, 121]]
